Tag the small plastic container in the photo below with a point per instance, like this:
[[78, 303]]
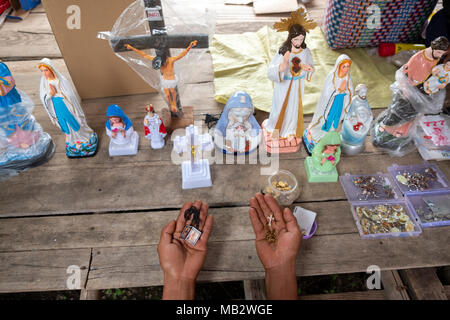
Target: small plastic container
[[284, 197], [400, 208], [384, 188], [440, 183], [306, 220], [422, 212]]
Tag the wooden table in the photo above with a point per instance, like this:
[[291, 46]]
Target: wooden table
[[105, 214]]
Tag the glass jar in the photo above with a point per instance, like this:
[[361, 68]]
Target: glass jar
[[283, 186]]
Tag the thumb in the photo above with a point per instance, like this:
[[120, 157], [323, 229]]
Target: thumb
[[291, 221]]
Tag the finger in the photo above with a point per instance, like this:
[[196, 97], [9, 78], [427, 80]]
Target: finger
[[291, 221], [255, 205], [167, 233], [258, 227], [181, 222], [262, 203], [203, 215], [276, 209], [206, 231]]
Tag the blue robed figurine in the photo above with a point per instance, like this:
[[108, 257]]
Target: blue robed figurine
[[64, 109], [124, 140], [23, 144], [237, 130]]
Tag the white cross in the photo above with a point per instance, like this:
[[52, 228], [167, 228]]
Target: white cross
[[270, 219], [194, 143]]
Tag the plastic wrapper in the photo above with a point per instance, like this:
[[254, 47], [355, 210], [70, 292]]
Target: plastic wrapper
[[393, 129], [152, 30], [23, 143]]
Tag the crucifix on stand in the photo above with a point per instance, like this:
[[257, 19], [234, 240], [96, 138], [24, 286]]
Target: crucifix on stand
[[195, 172], [162, 43]]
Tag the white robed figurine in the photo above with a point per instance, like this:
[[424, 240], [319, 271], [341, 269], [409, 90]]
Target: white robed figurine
[[63, 107], [287, 105], [154, 128], [333, 104]]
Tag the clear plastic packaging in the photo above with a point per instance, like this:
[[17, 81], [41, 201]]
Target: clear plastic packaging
[[393, 129], [415, 179], [390, 219], [428, 208], [369, 187], [174, 25], [23, 143], [283, 186]]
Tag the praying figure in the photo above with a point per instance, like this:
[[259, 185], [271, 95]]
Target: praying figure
[[169, 81], [64, 109], [291, 66], [124, 140], [154, 128], [333, 103]]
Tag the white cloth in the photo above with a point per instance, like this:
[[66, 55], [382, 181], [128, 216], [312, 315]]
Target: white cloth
[[67, 92], [120, 139], [329, 91], [281, 89]]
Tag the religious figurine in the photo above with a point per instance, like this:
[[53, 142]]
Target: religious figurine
[[291, 66], [169, 81], [124, 140], [237, 131], [333, 103], [321, 166], [356, 123], [393, 129], [440, 76], [63, 106], [23, 144], [154, 128], [195, 172]]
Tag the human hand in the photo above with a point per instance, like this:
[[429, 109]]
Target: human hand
[[179, 259], [283, 252], [307, 67], [342, 86]]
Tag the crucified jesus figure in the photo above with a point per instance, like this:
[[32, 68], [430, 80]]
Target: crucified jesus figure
[[169, 81]]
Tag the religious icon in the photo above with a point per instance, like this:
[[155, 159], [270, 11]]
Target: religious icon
[[63, 106], [154, 128], [23, 144], [124, 140], [165, 63], [237, 130], [356, 123], [291, 66], [414, 93], [321, 166], [333, 103], [195, 172]]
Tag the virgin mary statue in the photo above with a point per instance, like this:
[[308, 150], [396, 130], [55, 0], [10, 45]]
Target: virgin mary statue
[[63, 107], [333, 103]]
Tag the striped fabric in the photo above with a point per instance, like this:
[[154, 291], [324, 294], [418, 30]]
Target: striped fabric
[[349, 23]]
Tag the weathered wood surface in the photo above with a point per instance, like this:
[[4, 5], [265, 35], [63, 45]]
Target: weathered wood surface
[[393, 286], [41, 270], [423, 284], [255, 289], [362, 295]]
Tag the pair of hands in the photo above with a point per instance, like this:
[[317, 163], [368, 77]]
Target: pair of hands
[[180, 260]]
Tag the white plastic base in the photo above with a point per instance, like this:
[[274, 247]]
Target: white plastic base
[[125, 149], [200, 177]]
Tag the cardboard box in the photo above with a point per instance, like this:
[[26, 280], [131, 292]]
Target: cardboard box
[[95, 70]]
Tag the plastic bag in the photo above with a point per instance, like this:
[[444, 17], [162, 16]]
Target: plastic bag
[[175, 24], [393, 129], [23, 143]]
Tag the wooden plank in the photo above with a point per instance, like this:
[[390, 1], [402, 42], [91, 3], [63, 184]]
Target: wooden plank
[[393, 286], [362, 295], [89, 294], [447, 291], [144, 228], [255, 289], [94, 187], [423, 284], [138, 266], [41, 270]]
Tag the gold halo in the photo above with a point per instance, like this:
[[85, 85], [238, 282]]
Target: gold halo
[[297, 17]]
